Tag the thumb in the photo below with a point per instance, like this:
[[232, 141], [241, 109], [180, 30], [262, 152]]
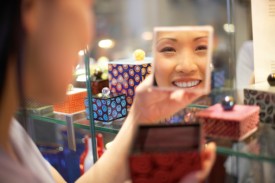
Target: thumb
[[177, 95]]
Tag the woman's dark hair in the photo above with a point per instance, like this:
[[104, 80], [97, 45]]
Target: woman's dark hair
[[11, 44]]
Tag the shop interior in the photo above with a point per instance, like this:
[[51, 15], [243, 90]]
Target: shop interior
[[65, 135]]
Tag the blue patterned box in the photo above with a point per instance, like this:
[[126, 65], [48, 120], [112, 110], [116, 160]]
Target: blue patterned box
[[108, 109], [126, 75]]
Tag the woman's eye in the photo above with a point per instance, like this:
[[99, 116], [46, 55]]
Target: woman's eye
[[201, 48], [168, 50]]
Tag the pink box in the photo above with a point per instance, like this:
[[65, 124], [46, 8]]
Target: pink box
[[237, 124]]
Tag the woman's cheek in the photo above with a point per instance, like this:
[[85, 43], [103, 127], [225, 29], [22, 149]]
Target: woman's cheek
[[61, 62], [82, 18], [164, 70], [202, 64], [88, 24]]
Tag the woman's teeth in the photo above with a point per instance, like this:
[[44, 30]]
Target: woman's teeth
[[186, 84]]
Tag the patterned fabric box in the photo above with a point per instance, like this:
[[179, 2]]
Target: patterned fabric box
[[107, 109], [126, 75], [235, 125], [163, 167], [74, 101], [263, 95]]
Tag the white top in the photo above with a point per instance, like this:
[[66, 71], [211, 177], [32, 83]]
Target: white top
[[33, 167], [245, 65]]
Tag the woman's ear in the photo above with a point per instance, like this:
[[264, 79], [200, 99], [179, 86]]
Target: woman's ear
[[30, 16]]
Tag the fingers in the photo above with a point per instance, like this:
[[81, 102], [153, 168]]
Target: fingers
[[146, 87], [193, 95], [177, 95], [208, 159], [146, 84], [181, 98]]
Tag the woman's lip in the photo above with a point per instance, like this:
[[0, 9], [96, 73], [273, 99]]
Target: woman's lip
[[183, 83]]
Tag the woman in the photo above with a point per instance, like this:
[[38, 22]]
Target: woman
[[39, 44], [181, 58]]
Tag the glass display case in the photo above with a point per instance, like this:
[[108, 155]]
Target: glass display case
[[126, 25]]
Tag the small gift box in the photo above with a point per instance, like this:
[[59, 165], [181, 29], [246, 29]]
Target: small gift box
[[263, 95], [163, 167], [126, 75], [156, 157], [74, 101], [236, 124], [107, 108], [96, 85]]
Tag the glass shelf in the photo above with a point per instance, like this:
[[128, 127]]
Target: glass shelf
[[100, 127], [259, 146], [82, 124]]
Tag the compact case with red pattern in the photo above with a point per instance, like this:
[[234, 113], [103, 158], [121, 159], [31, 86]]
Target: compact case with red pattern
[[165, 153], [237, 124], [126, 75]]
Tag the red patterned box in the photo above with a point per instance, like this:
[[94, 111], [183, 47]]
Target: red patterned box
[[163, 167], [126, 75], [237, 124], [74, 101]]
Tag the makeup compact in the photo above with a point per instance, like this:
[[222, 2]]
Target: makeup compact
[[165, 153]]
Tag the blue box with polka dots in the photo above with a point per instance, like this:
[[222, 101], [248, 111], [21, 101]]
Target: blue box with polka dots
[[125, 75], [107, 108]]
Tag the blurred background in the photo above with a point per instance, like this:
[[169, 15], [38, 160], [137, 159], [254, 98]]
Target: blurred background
[[125, 25]]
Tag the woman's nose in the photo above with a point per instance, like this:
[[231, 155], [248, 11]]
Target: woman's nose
[[186, 64]]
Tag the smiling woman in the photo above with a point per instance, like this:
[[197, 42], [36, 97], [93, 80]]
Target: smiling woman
[[39, 45], [182, 57]]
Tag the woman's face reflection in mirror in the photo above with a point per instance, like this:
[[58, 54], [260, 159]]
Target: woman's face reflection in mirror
[[181, 58]]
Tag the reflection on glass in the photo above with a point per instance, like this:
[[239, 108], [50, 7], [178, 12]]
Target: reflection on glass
[[182, 57]]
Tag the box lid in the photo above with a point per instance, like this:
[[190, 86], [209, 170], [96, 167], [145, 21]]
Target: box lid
[[238, 113], [132, 61], [76, 90], [112, 95]]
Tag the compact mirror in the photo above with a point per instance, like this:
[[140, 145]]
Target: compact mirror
[[182, 57]]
